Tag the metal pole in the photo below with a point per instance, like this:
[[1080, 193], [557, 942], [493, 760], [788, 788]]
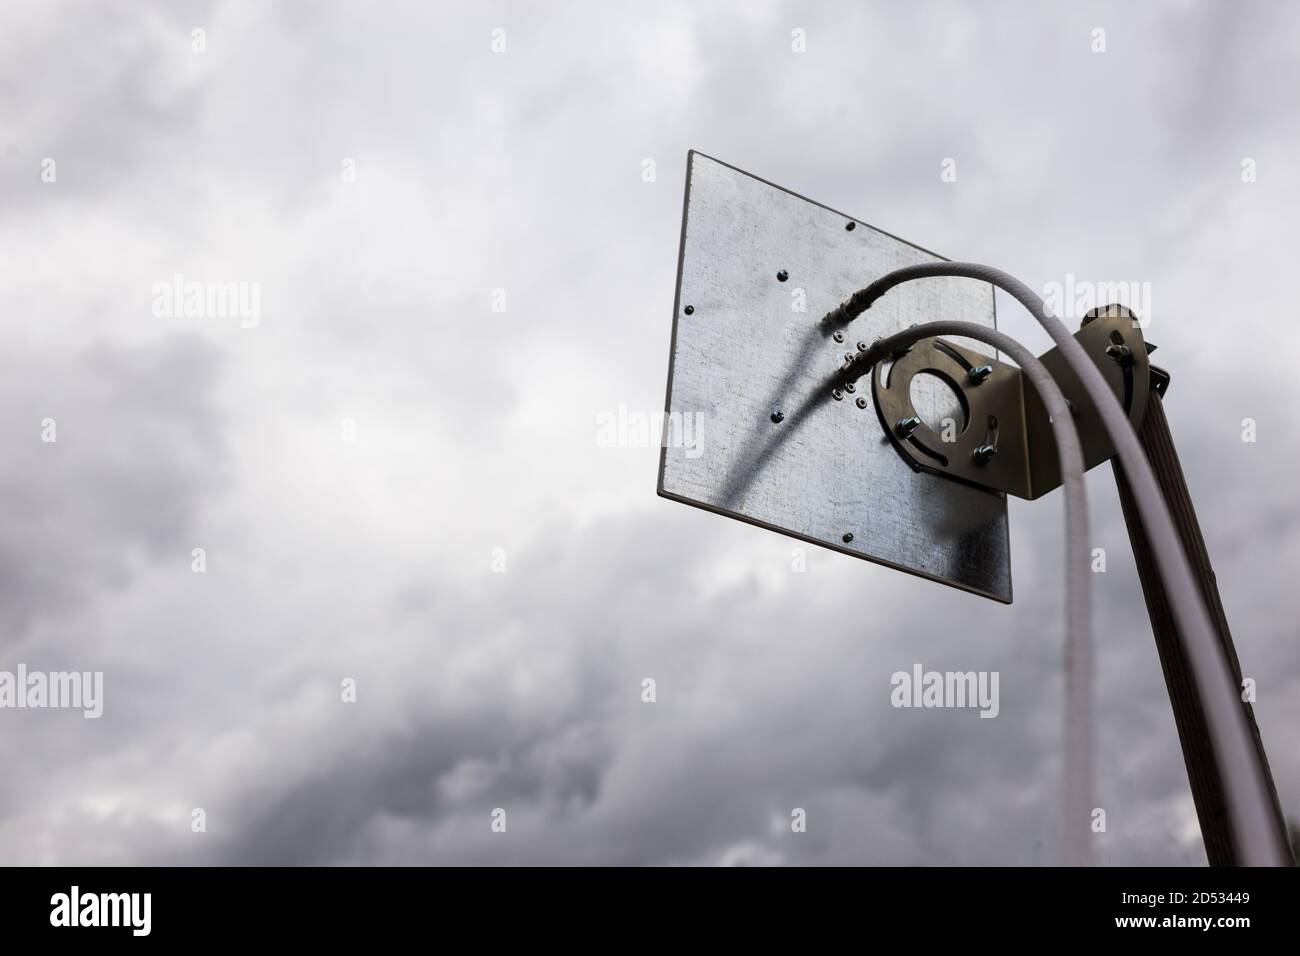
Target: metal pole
[[1189, 711]]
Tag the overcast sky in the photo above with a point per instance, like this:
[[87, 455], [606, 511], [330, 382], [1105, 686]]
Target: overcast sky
[[475, 431]]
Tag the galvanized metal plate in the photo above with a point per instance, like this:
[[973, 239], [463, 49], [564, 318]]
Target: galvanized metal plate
[[752, 371]]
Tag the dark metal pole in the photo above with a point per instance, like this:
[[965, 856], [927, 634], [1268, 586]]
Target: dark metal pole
[[1189, 713]]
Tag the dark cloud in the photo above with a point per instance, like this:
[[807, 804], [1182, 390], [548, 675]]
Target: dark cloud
[[136, 451]]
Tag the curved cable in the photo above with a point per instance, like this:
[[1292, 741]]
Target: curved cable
[[1254, 826], [1077, 759]]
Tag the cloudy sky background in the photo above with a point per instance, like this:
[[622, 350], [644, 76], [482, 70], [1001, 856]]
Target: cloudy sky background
[[476, 430]]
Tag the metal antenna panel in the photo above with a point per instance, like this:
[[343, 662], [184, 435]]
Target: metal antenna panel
[[778, 442]]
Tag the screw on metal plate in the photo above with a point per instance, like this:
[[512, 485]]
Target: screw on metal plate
[[1121, 353], [905, 426], [782, 276], [838, 336], [849, 226], [837, 394], [690, 310], [850, 387], [848, 536], [984, 453], [778, 416], [862, 402], [862, 346], [979, 373]]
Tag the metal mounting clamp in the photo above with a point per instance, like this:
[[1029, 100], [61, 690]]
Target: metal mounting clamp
[[1005, 441]]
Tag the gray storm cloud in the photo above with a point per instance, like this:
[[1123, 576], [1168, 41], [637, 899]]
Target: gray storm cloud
[[395, 481]]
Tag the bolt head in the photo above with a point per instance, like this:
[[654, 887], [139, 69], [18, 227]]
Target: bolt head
[[862, 402], [849, 226], [838, 336], [689, 310], [905, 426], [850, 387], [778, 416], [837, 394], [782, 276], [848, 536]]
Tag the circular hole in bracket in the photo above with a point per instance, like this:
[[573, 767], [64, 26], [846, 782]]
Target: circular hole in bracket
[[938, 400]]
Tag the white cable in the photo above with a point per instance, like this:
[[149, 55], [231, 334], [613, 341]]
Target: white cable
[[1257, 836], [1077, 779]]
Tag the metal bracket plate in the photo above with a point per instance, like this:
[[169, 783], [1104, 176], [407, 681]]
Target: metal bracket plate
[[1001, 437]]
